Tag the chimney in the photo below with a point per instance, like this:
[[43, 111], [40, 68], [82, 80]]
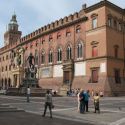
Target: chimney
[[84, 6]]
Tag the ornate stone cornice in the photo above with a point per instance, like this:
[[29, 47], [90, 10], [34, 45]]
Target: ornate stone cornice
[[104, 57], [56, 29], [104, 3]]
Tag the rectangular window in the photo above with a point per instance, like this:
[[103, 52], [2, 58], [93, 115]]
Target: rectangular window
[[117, 76], [94, 23], [94, 74], [94, 51]]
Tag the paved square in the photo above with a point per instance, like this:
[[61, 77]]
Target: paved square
[[112, 110]]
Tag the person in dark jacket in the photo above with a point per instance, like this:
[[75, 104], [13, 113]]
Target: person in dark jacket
[[87, 96], [82, 101]]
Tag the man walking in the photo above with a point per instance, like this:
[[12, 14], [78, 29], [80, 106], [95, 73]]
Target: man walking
[[87, 96], [82, 101], [48, 103]]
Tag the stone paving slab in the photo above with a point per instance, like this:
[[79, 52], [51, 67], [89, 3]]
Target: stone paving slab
[[112, 111], [22, 118], [106, 117]]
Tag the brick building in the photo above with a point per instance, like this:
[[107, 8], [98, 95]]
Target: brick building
[[83, 50]]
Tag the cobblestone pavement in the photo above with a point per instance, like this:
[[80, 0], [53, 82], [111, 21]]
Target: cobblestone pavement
[[112, 110]]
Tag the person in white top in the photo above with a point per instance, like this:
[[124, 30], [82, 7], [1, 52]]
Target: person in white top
[[28, 94], [78, 100], [48, 103]]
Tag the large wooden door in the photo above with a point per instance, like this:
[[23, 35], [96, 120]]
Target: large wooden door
[[95, 75], [66, 77]]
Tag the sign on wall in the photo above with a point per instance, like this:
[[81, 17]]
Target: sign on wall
[[103, 67], [46, 72], [80, 69], [58, 71]]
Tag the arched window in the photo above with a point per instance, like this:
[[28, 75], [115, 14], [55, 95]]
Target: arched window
[[78, 28], [42, 40], [115, 23], [43, 57], [69, 52], [120, 26], [59, 54], [109, 21], [68, 32], [36, 57], [2, 83], [9, 82], [50, 56], [79, 50], [50, 38], [58, 35]]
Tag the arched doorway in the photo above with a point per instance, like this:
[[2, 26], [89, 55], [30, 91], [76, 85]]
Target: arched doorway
[[2, 83], [9, 82], [5, 83]]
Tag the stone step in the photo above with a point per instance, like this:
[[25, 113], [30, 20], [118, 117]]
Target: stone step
[[7, 108], [63, 90], [4, 105]]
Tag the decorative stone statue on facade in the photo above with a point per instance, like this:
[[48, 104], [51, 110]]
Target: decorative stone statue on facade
[[18, 59]]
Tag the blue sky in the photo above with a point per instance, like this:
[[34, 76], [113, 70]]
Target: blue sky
[[33, 14]]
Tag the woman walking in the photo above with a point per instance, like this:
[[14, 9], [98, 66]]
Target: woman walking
[[96, 103]]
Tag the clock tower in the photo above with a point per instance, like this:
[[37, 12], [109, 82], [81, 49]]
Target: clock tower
[[12, 35]]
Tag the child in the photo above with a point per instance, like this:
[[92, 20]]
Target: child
[[96, 103]]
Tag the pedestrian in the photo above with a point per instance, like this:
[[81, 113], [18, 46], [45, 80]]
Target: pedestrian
[[28, 94], [87, 96], [82, 101], [96, 103], [92, 93], [48, 103], [78, 100], [101, 94]]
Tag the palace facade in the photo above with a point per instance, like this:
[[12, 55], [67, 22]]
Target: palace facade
[[83, 50]]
